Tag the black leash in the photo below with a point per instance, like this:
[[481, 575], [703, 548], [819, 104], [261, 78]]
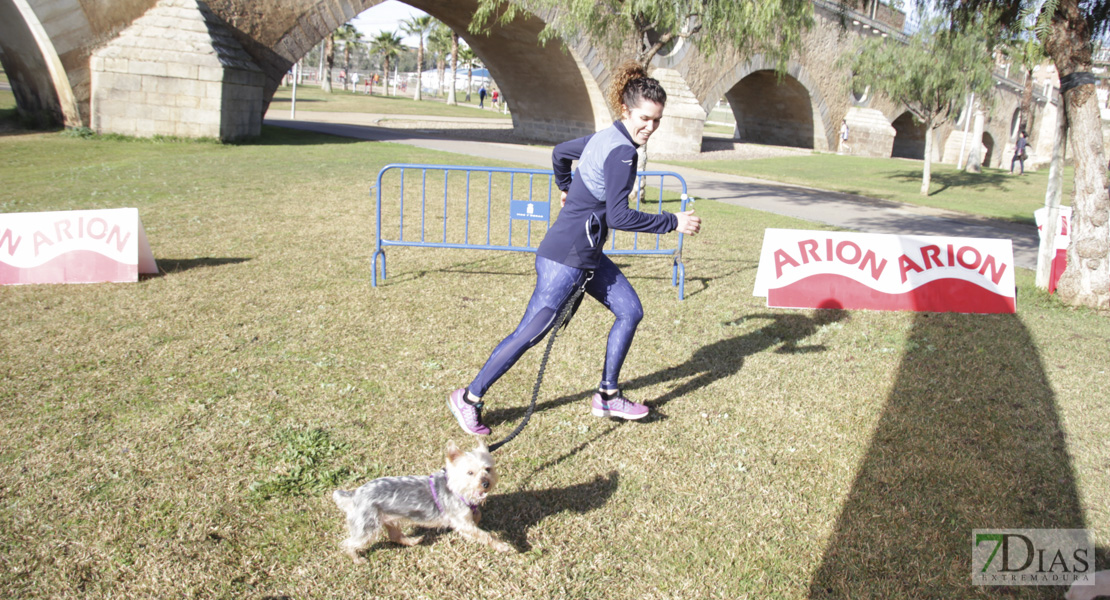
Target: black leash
[[561, 322]]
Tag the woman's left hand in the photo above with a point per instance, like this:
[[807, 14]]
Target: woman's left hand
[[688, 223]]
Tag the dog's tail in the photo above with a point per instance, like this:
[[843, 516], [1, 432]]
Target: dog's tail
[[343, 499]]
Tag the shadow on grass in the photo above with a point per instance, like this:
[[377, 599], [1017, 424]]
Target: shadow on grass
[[170, 266], [512, 515], [344, 133], [709, 363], [274, 101], [283, 136], [969, 439], [956, 179]]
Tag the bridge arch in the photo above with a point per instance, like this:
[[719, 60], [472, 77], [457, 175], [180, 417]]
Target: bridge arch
[[909, 137], [553, 94], [786, 110]]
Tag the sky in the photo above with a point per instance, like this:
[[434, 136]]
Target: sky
[[386, 16]]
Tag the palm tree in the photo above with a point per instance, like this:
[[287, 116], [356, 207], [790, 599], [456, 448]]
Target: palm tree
[[439, 44], [454, 67], [470, 59], [420, 27], [351, 40], [329, 62], [388, 46]]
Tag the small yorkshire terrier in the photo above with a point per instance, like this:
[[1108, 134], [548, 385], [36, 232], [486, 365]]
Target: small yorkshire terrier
[[448, 498]]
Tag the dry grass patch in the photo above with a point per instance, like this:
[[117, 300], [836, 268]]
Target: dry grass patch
[[177, 437]]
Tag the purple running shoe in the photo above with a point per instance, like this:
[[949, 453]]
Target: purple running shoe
[[616, 405], [468, 415]]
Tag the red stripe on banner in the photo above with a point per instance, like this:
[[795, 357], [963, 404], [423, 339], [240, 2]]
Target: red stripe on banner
[[1059, 263], [837, 291], [77, 266]]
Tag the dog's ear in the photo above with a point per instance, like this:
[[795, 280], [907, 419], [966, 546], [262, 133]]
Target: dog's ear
[[453, 452], [482, 447]]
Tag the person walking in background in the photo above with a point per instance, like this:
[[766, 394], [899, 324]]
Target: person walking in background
[[482, 97], [1019, 153], [570, 257], [844, 137]]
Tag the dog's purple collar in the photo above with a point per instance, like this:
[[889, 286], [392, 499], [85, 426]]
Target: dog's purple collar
[[435, 496]]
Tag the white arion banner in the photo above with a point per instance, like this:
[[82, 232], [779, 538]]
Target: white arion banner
[[830, 269], [77, 246]]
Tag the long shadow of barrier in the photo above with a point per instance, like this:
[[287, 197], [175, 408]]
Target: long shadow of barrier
[[969, 439], [709, 363]]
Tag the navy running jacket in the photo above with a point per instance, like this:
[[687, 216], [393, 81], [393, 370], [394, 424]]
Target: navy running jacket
[[597, 198]]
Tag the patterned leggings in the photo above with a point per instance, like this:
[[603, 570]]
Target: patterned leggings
[[555, 283]]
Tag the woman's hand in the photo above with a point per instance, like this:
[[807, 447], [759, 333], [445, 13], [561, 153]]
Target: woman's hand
[[688, 223], [562, 199]]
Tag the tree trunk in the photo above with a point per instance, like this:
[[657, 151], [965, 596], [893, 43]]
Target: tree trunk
[[441, 66], [329, 62], [419, 69], [1026, 102], [1047, 250], [347, 65], [927, 170], [1086, 281], [975, 153], [454, 67], [386, 80]]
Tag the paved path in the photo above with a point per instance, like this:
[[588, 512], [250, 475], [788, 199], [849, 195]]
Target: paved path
[[832, 208]]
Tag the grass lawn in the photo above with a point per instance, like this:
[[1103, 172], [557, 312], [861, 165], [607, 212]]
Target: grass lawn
[[311, 98], [180, 437], [993, 193]]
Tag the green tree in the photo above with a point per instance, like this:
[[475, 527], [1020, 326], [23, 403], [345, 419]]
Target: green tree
[[454, 67], [1025, 52], [439, 44], [468, 58], [773, 28], [420, 27], [1067, 30], [351, 39], [329, 62], [388, 46], [930, 73]]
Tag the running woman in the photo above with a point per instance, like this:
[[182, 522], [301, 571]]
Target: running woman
[[594, 200]]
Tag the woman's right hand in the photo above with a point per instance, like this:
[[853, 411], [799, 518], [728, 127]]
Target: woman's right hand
[[688, 223]]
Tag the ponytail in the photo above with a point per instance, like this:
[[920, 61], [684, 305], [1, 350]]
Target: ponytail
[[631, 85]]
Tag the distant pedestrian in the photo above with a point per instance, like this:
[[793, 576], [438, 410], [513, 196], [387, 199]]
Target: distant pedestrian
[[1019, 153], [482, 97], [844, 137], [495, 96]]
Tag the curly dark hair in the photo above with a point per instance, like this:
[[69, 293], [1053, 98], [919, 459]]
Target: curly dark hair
[[631, 85]]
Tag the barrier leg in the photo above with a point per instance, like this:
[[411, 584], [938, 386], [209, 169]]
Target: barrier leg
[[682, 281], [374, 267]]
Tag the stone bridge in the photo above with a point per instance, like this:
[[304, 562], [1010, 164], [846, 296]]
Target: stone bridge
[[194, 68]]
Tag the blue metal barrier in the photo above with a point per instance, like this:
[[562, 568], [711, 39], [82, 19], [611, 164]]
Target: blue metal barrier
[[502, 202]]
